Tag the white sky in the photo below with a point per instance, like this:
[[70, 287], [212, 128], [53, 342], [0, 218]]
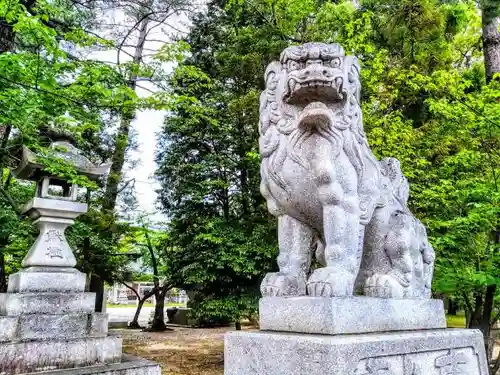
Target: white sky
[[147, 123]]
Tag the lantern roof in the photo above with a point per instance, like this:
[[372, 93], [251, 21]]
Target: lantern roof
[[30, 169]]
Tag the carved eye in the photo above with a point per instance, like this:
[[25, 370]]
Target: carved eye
[[335, 62], [293, 65]]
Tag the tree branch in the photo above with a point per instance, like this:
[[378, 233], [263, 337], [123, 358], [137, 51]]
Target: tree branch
[[150, 248], [131, 288], [10, 200]]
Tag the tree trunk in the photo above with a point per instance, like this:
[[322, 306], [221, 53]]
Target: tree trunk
[[96, 283], [3, 274], [491, 37], [475, 316], [491, 49], [7, 36], [158, 323], [452, 307], [97, 286], [135, 322], [121, 144], [489, 300], [481, 318], [122, 137], [244, 191]]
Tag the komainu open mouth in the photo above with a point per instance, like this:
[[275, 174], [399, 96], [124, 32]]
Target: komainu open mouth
[[308, 90]]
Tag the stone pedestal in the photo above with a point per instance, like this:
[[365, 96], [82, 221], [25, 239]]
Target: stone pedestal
[[433, 352], [47, 320], [318, 338]]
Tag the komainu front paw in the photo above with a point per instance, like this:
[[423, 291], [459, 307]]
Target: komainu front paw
[[388, 285], [330, 282], [281, 285]]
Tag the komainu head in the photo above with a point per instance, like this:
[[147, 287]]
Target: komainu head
[[315, 72], [313, 90], [313, 85]]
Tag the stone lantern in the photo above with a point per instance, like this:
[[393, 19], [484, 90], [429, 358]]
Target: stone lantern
[[47, 320], [53, 212]]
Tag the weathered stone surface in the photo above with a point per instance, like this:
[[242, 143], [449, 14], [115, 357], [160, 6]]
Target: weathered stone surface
[[98, 324], [8, 328], [437, 352], [46, 303], [128, 366], [43, 327], [358, 314], [31, 356], [322, 181], [33, 280]]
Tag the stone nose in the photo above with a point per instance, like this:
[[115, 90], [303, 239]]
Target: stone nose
[[316, 71]]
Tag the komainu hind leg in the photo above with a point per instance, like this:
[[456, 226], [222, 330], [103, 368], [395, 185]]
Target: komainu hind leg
[[295, 241]]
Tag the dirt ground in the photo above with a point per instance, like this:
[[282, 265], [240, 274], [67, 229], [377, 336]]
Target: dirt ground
[[181, 351]]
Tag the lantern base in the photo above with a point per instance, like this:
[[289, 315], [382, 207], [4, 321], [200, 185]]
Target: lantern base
[[22, 357], [129, 365], [48, 325], [47, 279]]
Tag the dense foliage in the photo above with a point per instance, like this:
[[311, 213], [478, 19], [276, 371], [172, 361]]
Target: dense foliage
[[425, 101], [49, 81]]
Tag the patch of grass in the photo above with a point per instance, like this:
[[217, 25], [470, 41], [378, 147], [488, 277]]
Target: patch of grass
[[170, 304], [176, 304], [128, 305], [455, 321]]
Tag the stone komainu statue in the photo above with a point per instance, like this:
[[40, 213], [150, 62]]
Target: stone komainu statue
[[334, 201]]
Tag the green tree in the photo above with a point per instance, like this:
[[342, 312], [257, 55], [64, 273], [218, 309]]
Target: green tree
[[210, 175], [425, 101], [45, 85]]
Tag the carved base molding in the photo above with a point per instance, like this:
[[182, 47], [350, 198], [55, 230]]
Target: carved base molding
[[431, 352]]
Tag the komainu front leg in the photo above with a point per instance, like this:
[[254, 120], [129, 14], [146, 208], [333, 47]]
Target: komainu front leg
[[341, 228], [295, 245], [342, 262]]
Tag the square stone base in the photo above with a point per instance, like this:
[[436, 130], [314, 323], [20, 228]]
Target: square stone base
[[31, 356], [356, 314], [40, 280], [431, 352], [52, 327]]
